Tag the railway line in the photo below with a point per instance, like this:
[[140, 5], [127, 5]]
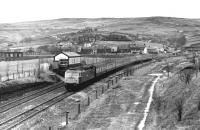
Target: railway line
[[16, 120], [35, 94], [13, 121]]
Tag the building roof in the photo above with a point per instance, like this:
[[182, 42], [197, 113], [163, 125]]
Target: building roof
[[155, 45], [72, 54], [113, 43], [138, 47], [100, 47]]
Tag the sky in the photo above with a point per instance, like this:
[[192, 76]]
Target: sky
[[32, 10]]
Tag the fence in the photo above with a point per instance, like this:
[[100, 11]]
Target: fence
[[14, 76], [78, 106]]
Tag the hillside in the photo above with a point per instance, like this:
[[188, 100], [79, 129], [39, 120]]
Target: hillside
[[43, 32], [176, 101]]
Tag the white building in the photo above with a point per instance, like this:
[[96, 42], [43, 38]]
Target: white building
[[72, 57], [145, 51]]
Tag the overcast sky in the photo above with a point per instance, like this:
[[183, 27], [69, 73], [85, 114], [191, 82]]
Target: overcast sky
[[31, 10]]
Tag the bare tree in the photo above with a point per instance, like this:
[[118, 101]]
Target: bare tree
[[179, 108], [185, 76]]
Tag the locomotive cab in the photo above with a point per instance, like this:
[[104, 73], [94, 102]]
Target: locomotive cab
[[74, 77]]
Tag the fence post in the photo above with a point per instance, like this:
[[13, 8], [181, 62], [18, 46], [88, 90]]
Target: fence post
[[13, 76], [102, 90], [116, 79], [108, 85], [29, 73], [132, 70], [67, 113], [112, 82], [96, 93], [88, 100], [79, 107], [34, 72]]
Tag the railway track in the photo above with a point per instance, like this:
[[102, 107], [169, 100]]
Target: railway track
[[18, 101], [16, 120]]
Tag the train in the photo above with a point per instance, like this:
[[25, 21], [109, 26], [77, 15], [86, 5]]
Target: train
[[77, 77]]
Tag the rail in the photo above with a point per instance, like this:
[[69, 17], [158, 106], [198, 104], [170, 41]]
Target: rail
[[18, 101]]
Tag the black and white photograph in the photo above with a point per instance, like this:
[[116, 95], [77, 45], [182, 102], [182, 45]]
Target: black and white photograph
[[99, 65]]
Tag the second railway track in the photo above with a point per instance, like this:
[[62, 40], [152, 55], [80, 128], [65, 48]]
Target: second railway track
[[18, 101], [16, 120]]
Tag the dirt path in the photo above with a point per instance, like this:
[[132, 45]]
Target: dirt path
[[146, 110]]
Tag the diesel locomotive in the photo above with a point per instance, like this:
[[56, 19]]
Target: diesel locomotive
[[74, 77]]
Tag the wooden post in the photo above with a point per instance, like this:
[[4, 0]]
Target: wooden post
[[79, 107], [88, 100], [102, 90], [108, 85], [96, 93], [116, 79], [112, 82], [13, 76], [67, 120]]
